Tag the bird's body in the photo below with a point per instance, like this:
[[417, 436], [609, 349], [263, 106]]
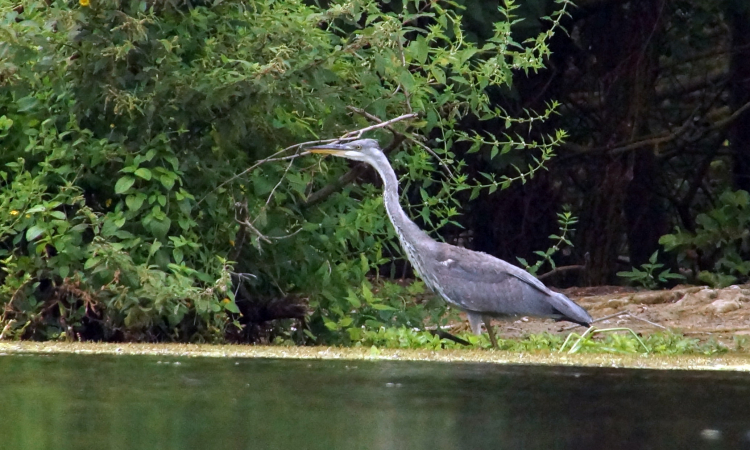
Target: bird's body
[[483, 286]]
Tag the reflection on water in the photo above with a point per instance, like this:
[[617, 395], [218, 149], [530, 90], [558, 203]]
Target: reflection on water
[[137, 402]]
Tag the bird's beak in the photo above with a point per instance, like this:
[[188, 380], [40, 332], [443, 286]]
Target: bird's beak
[[336, 150], [325, 151], [328, 149]]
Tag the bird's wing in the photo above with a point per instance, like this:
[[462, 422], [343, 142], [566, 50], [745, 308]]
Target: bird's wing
[[481, 267], [480, 282]]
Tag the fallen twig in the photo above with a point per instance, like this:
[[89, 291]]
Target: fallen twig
[[618, 314]]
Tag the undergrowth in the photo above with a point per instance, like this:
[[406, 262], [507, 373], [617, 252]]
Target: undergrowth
[[660, 343]]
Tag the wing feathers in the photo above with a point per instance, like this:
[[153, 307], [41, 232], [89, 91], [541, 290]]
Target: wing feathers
[[481, 283]]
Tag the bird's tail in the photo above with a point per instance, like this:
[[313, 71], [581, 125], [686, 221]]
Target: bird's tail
[[570, 310]]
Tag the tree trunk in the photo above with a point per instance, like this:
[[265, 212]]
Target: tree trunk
[[739, 19], [645, 215], [622, 199]]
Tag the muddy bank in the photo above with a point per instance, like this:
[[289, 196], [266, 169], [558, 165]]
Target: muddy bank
[[695, 311]]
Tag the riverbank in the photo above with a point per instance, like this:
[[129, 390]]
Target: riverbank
[[726, 362]]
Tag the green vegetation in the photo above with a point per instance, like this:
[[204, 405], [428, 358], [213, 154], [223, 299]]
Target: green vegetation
[[721, 241], [651, 275], [152, 186], [565, 221], [621, 342], [125, 126]]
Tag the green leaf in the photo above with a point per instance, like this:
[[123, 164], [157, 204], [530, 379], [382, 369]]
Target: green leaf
[[143, 173], [418, 49], [34, 232], [155, 246], [167, 181], [330, 324], [653, 257], [160, 228], [123, 184], [382, 307], [438, 73], [91, 262], [178, 255], [26, 103], [135, 201], [406, 79], [231, 307], [353, 300]]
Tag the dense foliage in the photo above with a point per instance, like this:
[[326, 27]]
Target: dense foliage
[[125, 125], [152, 188]]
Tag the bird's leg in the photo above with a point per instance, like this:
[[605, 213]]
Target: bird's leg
[[475, 320], [488, 324]]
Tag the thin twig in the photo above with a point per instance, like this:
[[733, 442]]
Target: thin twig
[[286, 236], [270, 196], [325, 191], [647, 321], [241, 276], [364, 113], [597, 320], [356, 134], [265, 160], [431, 152], [351, 175], [403, 64], [6, 328], [557, 270], [246, 223], [659, 138]]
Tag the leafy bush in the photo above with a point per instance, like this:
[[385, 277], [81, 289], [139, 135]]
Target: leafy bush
[[125, 124], [720, 242]]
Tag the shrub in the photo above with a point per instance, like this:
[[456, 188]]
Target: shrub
[[126, 124]]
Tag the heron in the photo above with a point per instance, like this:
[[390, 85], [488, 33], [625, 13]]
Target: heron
[[481, 285]]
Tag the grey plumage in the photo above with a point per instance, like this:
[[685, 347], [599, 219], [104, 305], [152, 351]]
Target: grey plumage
[[483, 286]]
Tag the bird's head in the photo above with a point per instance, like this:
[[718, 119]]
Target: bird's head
[[367, 150]]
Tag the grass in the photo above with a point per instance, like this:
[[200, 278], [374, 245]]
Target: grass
[[613, 340]]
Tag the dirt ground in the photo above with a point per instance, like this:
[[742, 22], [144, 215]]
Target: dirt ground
[[695, 311]]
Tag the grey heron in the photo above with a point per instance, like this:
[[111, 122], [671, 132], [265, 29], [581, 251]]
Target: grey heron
[[483, 286]]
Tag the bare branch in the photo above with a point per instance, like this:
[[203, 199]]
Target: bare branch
[[324, 192], [356, 134], [657, 139], [241, 209], [297, 148], [557, 270], [270, 196], [265, 160], [364, 113]]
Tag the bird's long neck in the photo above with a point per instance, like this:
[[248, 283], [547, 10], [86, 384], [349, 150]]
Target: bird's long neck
[[401, 222]]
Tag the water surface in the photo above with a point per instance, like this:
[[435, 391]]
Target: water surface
[[145, 402]]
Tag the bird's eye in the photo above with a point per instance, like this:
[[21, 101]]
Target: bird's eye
[[358, 147]]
